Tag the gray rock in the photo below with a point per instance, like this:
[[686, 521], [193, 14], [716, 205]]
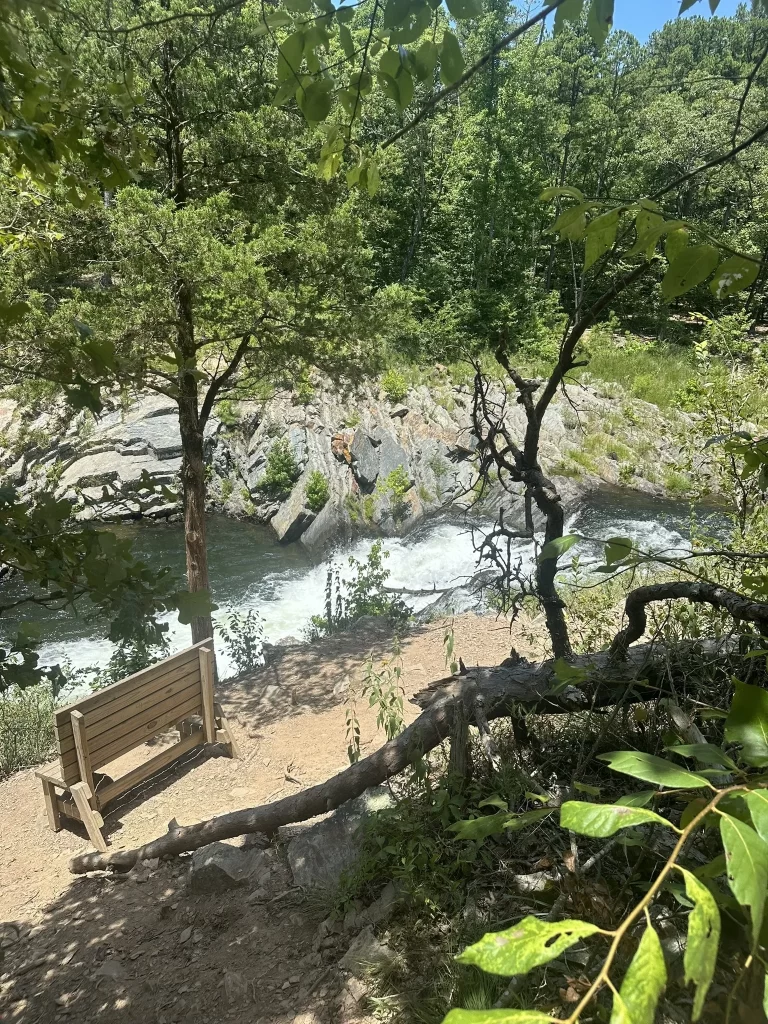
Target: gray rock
[[219, 867], [391, 456], [365, 949], [319, 854], [293, 517], [365, 459]]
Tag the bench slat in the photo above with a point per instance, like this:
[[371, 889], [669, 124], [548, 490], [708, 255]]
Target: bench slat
[[130, 684], [133, 732], [185, 678]]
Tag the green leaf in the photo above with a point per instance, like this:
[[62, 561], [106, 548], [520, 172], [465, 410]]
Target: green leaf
[[315, 99], [463, 9], [641, 799], [643, 983], [600, 20], [757, 801], [572, 223], [602, 820], [415, 24], [526, 945], [495, 801], [617, 548], [746, 857], [496, 1017], [601, 234], [291, 54], [346, 40], [652, 769], [405, 88], [451, 59], [191, 605], [390, 63], [694, 265], [554, 191], [558, 546], [733, 275], [424, 60], [569, 11], [703, 939], [747, 723], [677, 240], [705, 753], [650, 227], [584, 787], [495, 824]]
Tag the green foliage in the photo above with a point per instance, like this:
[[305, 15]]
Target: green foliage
[[62, 562], [243, 637], [396, 486], [26, 727], [394, 385], [382, 689], [361, 593], [317, 491], [282, 470], [227, 412], [531, 943]]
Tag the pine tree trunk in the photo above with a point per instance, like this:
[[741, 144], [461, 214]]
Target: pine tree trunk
[[193, 484]]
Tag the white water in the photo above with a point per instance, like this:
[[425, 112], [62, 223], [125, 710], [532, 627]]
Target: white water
[[438, 555]]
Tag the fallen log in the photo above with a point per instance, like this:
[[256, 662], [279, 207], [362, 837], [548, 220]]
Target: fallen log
[[504, 691]]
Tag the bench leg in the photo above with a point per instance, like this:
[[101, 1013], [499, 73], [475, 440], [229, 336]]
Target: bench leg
[[51, 805], [81, 794], [234, 750]]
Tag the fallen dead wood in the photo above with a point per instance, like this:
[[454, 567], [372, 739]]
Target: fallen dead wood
[[503, 690]]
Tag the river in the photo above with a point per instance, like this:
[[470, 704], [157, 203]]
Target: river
[[249, 569]]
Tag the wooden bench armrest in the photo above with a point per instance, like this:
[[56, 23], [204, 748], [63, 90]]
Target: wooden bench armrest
[[54, 781]]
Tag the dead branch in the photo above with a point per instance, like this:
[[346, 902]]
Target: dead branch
[[504, 691], [739, 606]]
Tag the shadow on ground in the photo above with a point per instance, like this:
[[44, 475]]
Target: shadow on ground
[[142, 948]]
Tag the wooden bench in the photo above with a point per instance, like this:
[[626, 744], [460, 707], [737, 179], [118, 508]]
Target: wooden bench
[[100, 728]]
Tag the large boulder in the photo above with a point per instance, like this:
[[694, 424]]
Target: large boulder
[[365, 459], [293, 517], [319, 854]]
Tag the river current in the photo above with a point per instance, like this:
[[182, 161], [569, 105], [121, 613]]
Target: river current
[[249, 569]]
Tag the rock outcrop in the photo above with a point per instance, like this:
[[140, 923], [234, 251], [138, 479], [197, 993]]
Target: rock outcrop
[[386, 465]]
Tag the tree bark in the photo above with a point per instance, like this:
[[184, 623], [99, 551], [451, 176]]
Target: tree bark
[[503, 692], [190, 422]]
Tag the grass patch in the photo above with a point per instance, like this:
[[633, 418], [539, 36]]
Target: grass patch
[[653, 373], [26, 727]]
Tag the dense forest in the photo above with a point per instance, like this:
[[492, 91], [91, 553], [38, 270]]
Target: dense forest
[[411, 264]]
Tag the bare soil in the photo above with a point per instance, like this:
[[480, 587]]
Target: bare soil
[[141, 947]]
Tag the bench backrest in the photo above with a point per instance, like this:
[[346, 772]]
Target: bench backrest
[[126, 714]]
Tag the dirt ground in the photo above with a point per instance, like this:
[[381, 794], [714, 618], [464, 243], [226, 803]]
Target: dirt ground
[[141, 947]]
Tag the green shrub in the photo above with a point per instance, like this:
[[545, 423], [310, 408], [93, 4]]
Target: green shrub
[[282, 470], [26, 727], [243, 637], [396, 485], [304, 392], [227, 487], [362, 593], [226, 410], [394, 385], [317, 491]]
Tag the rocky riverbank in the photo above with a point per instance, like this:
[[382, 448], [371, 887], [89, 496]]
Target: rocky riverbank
[[385, 464]]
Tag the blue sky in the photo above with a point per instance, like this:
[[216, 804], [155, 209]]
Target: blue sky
[[641, 17]]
